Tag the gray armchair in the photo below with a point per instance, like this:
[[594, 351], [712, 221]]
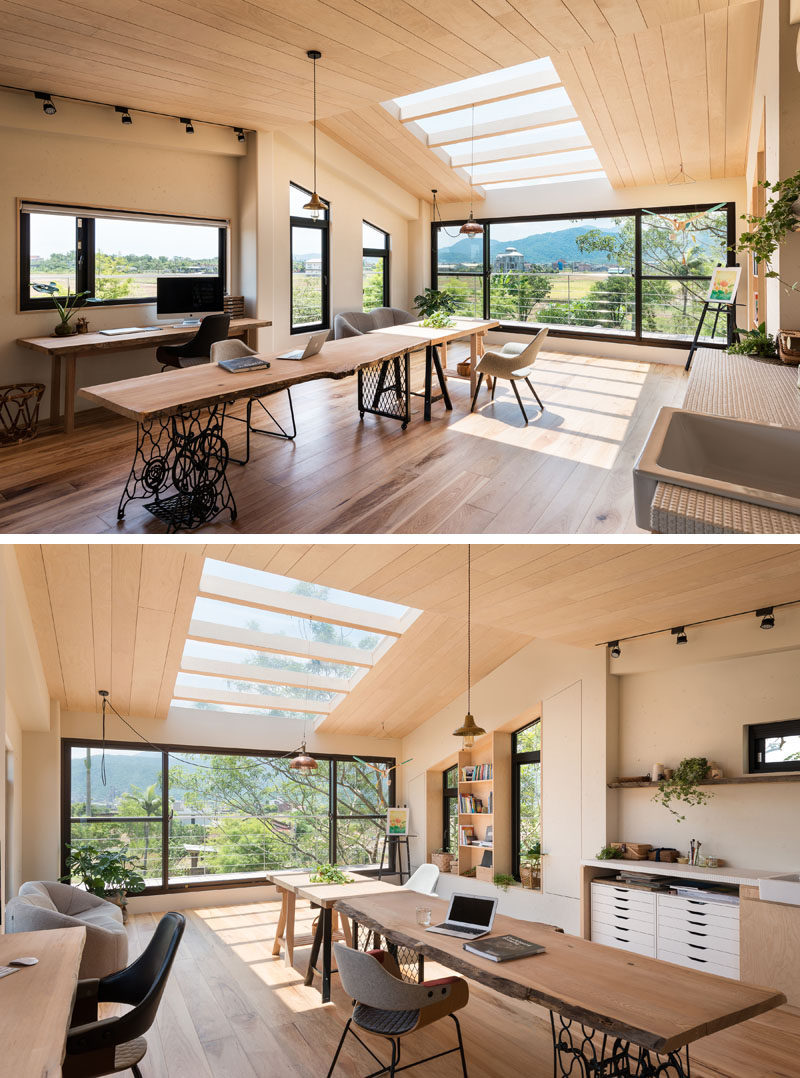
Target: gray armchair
[[43, 905], [354, 323]]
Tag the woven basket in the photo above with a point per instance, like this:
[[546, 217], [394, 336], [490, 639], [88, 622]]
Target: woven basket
[[530, 877], [789, 346], [443, 861], [464, 367], [19, 412], [635, 851]]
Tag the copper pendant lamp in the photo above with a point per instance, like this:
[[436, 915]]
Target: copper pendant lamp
[[315, 205], [469, 729], [303, 762], [471, 227]]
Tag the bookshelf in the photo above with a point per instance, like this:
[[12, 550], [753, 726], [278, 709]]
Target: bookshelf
[[491, 754]]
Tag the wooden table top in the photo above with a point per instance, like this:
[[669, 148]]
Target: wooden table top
[[654, 1004], [294, 879], [101, 342], [36, 1003], [462, 328], [198, 387], [327, 894]]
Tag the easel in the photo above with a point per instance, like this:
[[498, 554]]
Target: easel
[[718, 307]]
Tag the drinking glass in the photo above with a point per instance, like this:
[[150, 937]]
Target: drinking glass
[[423, 916]]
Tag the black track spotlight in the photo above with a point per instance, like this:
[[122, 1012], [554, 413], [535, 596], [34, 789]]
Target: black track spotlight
[[239, 134], [680, 635], [126, 116], [188, 125], [47, 103], [767, 616], [614, 649]]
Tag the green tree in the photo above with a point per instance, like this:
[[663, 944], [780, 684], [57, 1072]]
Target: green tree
[[136, 802], [514, 295], [373, 288]]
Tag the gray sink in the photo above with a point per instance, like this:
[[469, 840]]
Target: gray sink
[[736, 458]]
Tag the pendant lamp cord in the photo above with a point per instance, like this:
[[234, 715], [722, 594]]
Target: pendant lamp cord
[[103, 755], [472, 162], [469, 628], [315, 125]]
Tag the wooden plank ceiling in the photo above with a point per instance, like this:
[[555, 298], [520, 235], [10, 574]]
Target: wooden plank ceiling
[[653, 81], [117, 616]]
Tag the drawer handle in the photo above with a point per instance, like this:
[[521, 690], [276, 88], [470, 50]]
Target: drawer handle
[[623, 889], [621, 940], [621, 917], [695, 902], [692, 958], [700, 924], [691, 933], [698, 947]]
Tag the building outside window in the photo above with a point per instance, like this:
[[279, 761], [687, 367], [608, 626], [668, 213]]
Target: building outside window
[[310, 265]]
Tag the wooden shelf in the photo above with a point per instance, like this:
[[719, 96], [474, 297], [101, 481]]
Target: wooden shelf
[[471, 782], [736, 780], [476, 814]]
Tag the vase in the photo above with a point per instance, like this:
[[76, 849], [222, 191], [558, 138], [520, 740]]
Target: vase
[[65, 329]]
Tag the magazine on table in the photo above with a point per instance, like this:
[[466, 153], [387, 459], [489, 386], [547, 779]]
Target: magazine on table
[[503, 948]]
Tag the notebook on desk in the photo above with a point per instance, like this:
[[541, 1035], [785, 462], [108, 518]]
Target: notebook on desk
[[130, 329], [242, 364]]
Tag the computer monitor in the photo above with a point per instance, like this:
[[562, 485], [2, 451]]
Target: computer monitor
[[188, 298]]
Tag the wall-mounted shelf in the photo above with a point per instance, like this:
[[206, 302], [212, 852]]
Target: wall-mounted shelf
[[740, 780], [493, 749]]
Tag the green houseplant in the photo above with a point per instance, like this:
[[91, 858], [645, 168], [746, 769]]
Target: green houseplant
[[105, 873], [530, 869], [329, 874], [682, 787], [436, 307], [609, 853], [755, 342], [66, 309], [503, 880], [779, 219]]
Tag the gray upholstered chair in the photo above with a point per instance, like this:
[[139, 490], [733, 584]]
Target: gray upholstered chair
[[232, 348], [513, 363], [45, 904], [389, 1007], [354, 323]]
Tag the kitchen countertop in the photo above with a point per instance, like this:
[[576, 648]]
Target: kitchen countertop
[[725, 874], [740, 387]]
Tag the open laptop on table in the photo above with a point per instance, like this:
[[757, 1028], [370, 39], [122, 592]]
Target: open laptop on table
[[468, 917], [314, 345]]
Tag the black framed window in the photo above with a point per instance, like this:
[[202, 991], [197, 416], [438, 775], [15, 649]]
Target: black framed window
[[640, 276], [450, 810], [526, 791], [115, 257], [222, 817], [374, 266], [309, 252], [774, 746]]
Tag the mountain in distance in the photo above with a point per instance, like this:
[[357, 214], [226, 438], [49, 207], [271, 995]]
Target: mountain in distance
[[540, 247]]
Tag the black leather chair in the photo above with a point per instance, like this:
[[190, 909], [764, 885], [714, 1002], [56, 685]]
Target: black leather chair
[[213, 328], [111, 1045]]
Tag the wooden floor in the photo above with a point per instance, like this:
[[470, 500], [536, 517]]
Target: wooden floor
[[232, 1010], [568, 471]]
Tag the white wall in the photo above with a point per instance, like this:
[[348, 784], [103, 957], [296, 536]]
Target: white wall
[[571, 685]]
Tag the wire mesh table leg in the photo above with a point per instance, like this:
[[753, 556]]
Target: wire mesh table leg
[[378, 396], [581, 1052]]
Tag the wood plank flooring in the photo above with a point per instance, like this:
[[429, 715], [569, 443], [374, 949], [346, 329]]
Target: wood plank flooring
[[568, 471], [232, 1010]]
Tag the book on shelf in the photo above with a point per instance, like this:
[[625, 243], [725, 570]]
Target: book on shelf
[[469, 804], [466, 835], [503, 948], [476, 772]]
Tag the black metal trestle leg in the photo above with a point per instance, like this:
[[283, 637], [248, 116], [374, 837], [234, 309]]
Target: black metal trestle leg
[[581, 1052], [280, 432]]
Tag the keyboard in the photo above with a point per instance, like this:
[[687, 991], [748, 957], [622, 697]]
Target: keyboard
[[449, 928], [243, 363], [5, 970], [130, 329]]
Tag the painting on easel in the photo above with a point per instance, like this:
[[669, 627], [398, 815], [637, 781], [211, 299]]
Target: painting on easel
[[724, 283]]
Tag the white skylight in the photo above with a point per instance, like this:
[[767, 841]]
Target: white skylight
[[510, 127], [273, 646]]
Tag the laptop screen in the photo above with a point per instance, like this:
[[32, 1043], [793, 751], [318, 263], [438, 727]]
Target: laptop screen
[[471, 910]]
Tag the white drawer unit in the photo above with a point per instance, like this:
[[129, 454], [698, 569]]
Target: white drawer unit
[[698, 934], [690, 932]]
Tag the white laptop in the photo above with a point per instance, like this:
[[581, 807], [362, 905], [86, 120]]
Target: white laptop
[[314, 345], [468, 916]]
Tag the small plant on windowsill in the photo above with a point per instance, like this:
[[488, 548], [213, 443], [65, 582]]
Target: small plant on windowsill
[[504, 881], [329, 874], [67, 306], [683, 786]]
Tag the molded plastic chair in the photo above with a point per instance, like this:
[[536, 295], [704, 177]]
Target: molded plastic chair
[[213, 328], [423, 880], [513, 365], [389, 1007], [111, 1045], [232, 348]]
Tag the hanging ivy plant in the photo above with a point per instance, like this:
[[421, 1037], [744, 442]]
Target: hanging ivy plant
[[683, 786], [779, 219]]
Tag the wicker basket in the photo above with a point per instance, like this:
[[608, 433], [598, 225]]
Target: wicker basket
[[789, 346], [19, 412], [443, 861], [530, 877], [463, 368], [634, 851]]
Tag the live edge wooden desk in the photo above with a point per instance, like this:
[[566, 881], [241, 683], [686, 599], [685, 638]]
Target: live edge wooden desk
[[612, 1012], [71, 349], [180, 416], [436, 341], [36, 1003], [293, 884]]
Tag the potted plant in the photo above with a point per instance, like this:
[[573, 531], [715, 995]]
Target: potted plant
[[443, 859], [105, 873], [69, 307], [503, 880], [755, 342], [682, 786], [329, 874], [436, 307], [781, 216], [530, 869], [610, 852]]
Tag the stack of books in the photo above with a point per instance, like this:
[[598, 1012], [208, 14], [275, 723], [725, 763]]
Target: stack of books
[[648, 880], [469, 804], [476, 772]]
